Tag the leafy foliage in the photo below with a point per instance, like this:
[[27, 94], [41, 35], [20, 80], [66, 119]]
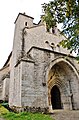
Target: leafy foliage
[[66, 12]]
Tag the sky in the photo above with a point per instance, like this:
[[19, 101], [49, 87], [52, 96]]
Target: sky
[[9, 10]]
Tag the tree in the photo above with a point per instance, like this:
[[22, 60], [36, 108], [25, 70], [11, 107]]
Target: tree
[[66, 12]]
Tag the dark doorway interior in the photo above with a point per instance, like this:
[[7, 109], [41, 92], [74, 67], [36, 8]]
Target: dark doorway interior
[[56, 98]]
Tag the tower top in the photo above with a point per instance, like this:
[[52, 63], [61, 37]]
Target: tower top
[[23, 15]]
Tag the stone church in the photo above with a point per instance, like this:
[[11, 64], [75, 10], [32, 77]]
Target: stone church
[[39, 75]]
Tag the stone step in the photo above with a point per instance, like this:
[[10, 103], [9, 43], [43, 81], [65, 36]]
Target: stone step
[[65, 114]]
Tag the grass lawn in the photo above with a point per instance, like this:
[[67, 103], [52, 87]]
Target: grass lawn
[[22, 115]]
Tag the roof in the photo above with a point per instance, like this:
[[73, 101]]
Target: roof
[[23, 15], [8, 59]]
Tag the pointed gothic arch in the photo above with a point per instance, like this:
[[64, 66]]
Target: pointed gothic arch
[[63, 74]]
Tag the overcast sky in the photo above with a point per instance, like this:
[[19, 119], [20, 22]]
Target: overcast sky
[[9, 10]]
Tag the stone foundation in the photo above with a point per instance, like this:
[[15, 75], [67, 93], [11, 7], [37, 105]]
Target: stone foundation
[[30, 109]]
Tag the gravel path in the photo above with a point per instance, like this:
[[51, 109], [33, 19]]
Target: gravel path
[[65, 115], [1, 119]]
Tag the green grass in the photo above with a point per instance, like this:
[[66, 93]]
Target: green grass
[[26, 116], [22, 115]]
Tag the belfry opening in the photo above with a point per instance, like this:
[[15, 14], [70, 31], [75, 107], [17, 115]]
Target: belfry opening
[[55, 98]]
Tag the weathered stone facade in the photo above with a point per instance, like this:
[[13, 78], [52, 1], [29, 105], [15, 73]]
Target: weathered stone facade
[[39, 73]]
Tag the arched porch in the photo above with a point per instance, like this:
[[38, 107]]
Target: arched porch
[[63, 78]]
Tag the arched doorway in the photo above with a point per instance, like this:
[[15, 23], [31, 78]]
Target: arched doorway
[[55, 98], [63, 85]]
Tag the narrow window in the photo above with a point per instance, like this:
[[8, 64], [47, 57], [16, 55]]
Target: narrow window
[[47, 42], [58, 45], [25, 23], [53, 31], [52, 44]]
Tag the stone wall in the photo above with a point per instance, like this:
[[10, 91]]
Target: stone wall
[[15, 86], [37, 36], [3, 73], [5, 91]]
